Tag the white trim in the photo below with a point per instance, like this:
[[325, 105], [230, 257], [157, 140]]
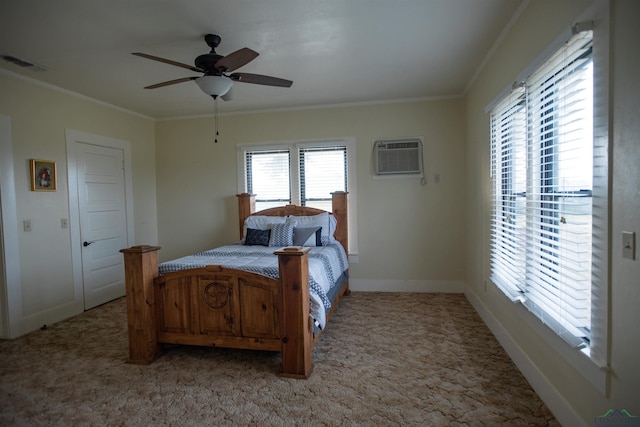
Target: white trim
[[71, 93], [556, 402], [51, 314], [11, 292], [72, 138], [394, 285], [318, 107], [352, 197], [512, 21]]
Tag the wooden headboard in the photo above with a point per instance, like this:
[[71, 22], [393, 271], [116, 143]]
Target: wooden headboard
[[247, 206]]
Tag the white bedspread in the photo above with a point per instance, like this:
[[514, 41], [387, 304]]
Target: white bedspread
[[326, 265]]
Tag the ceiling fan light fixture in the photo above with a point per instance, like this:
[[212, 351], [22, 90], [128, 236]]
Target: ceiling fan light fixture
[[214, 85]]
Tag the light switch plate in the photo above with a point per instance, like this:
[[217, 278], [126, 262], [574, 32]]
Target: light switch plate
[[629, 244]]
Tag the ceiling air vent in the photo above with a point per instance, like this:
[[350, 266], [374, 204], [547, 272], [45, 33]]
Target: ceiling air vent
[[397, 157], [22, 63]]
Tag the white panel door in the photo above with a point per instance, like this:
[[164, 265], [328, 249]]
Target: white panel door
[[103, 222]]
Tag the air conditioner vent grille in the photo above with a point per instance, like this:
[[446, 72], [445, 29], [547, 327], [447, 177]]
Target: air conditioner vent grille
[[22, 63], [397, 157]]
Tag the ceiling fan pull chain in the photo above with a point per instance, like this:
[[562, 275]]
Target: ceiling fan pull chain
[[215, 109]]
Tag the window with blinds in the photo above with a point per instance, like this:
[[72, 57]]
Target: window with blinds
[[267, 176], [321, 169], [542, 166]]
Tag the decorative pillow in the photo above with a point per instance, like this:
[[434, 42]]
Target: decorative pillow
[[281, 234], [257, 237], [311, 236], [261, 222], [324, 220]]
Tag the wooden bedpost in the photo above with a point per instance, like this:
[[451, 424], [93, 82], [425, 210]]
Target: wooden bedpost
[[340, 212], [296, 328], [141, 267], [246, 206]]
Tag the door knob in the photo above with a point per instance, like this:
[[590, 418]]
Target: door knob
[[85, 244]]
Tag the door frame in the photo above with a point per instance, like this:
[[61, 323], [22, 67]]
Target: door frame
[[73, 137], [11, 285]]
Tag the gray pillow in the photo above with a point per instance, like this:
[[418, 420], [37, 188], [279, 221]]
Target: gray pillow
[[311, 236], [257, 237]]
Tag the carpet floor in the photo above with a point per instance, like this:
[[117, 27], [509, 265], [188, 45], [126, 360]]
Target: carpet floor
[[385, 359]]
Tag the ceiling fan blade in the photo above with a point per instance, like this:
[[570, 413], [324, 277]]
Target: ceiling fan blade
[[260, 79], [236, 59], [168, 61], [170, 82]]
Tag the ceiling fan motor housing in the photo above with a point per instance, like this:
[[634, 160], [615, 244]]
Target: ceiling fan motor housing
[[207, 63]]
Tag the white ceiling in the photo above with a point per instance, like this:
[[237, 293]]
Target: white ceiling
[[335, 51]]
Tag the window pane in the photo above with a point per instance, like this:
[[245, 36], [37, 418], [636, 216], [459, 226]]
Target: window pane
[[268, 177], [559, 215], [508, 226], [323, 170]]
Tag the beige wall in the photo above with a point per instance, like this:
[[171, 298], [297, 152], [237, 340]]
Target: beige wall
[[39, 116], [406, 231], [536, 28]]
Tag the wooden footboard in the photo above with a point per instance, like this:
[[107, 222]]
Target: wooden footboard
[[216, 306]]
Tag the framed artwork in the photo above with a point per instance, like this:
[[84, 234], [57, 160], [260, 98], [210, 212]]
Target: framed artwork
[[44, 176]]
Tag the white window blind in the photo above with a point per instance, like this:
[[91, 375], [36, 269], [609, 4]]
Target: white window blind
[[542, 151], [508, 170], [560, 146], [267, 176], [323, 170]]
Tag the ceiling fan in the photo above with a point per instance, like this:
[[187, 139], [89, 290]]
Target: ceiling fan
[[218, 75]]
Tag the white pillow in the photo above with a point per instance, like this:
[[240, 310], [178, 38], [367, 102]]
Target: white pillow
[[325, 220], [261, 222]]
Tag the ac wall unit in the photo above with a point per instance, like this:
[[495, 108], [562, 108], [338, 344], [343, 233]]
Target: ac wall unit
[[397, 157]]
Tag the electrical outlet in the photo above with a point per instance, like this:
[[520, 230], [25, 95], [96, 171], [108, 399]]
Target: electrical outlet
[[64, 223], [436, 178], [26, 225], [629, 244]]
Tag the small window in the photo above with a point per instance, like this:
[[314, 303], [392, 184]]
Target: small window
[[323, 170], [267, 175]]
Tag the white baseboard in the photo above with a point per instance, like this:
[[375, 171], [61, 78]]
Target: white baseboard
[[50, 315], [374, 285], [558, 405]]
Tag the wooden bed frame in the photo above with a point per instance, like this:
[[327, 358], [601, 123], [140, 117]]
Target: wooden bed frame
[[216, 306]]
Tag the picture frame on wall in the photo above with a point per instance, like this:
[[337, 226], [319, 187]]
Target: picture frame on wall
[[44, 175]]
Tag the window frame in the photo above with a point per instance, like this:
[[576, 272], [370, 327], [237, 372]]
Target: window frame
[[295, 148], [592, 363]]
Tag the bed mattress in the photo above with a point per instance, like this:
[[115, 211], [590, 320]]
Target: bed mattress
[[328, 265]]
